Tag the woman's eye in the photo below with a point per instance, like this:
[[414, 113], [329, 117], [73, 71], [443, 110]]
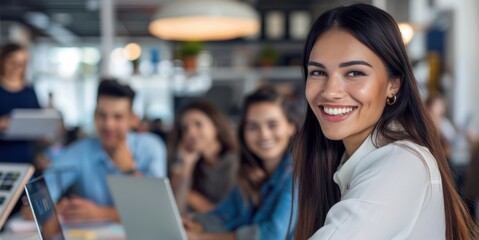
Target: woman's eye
[[355, 74], [251, 127], [198, 124], [317, 73]]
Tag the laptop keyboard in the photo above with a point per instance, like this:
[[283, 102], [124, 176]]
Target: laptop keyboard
[[12, 178], [7, 181]]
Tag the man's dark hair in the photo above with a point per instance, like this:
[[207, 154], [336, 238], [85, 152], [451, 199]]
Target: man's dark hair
[[112, 88]]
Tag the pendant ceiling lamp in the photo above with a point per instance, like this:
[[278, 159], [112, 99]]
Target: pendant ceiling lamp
[[204, 20]]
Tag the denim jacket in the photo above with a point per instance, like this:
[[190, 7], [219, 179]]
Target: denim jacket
[[268, 221]]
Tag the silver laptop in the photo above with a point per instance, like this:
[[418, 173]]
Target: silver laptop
[[43, 209], [147, 207], [13, 176]]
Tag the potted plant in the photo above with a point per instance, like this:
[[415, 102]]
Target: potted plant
[[188, 53], [268, 56]]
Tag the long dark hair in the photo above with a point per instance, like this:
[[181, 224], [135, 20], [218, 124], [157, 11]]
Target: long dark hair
[[317, 158], [252, 172]]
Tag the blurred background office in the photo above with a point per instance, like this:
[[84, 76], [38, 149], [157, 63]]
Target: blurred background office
[[72, 44]]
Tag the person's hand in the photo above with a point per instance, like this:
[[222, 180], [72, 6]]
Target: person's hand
[[4, 121], [77, 210], [193, 235], [188, 156], [199, 202], [192, 226], [26, 211], [42, 161], [122, 157]]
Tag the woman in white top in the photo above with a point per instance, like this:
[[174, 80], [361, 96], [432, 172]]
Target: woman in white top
[[373, 167]]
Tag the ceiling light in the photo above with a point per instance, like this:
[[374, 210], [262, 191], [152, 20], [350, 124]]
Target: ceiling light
[[205, 20], [407, 32], [132, 51]]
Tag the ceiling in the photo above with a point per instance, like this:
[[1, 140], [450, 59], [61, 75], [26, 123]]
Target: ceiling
[[81, 18]]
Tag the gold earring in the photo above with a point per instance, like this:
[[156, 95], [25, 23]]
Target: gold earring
[[391, 100]]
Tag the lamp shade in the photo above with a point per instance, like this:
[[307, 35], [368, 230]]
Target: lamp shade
[[204, 20]]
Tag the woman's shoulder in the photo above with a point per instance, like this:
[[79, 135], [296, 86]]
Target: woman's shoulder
[[413, 151], [229, 161], [405, 155], [396, 150], [27, 89], [229, 155]]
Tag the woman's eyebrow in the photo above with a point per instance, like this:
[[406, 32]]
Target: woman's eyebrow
[[357, 62]]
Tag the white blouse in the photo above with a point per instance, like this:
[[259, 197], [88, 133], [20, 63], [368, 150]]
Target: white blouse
[[387, 193]]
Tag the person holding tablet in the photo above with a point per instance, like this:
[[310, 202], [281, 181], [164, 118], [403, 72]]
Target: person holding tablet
[[14, 93]]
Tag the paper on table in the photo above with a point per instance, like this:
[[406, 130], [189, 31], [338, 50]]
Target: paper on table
[[105, 230], [96, 231], [18, 224]]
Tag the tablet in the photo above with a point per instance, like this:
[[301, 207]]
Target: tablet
[[31, 124]]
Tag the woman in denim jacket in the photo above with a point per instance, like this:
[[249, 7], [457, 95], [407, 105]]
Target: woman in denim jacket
[[260, 207]]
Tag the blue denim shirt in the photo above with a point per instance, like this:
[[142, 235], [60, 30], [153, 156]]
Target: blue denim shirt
[[85, 165], [269, 221]]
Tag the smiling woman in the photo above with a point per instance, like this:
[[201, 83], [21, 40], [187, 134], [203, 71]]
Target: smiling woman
[[260, 207], [368, 162], [207, 161], [346, 87], [266, 128]]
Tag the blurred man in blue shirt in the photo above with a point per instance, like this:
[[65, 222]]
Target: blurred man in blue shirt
[[85, 164]]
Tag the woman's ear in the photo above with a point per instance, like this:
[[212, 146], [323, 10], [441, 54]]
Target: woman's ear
[[394, 86]]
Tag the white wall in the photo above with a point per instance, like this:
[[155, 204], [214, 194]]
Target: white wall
[[466, 62]]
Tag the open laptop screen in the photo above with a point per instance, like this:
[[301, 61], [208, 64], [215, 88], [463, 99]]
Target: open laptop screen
[[43, 210]]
